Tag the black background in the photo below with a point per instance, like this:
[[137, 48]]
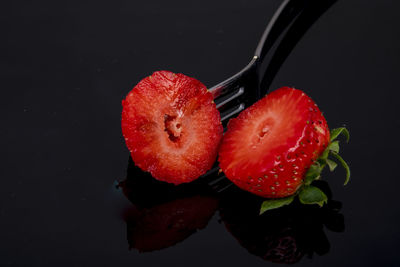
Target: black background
[[66, 65]]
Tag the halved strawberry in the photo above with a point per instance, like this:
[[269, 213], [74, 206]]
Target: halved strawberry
[[269, 147], [171, 127]]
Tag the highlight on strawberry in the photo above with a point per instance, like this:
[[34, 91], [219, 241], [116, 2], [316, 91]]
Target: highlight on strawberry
[[277, 147], [172, 127]]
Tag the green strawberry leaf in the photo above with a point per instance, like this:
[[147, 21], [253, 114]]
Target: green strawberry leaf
[[332, 165], [313, 173], [275, 203], [342, 130], [312, 195], [334, 146], [322, 163], [324, 154], [344, 164], [309, 194]]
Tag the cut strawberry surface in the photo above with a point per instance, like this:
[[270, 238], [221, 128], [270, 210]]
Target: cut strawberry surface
[[268, 148], [171, 127]]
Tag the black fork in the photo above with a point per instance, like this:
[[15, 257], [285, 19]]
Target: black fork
[[248, 85], [288, 24]]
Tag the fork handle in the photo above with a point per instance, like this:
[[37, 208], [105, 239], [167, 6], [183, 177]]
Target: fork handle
[[312, 11], [283, 16]]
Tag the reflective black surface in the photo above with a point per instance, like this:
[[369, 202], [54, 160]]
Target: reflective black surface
[[66, 66], [162, 214], [284, 235]]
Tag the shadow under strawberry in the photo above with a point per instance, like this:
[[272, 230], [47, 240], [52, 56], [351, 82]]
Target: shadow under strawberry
[[163, 214], [283, 235]]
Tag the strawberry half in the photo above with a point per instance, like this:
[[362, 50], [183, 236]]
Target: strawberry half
[[171, 127], [269, 147]]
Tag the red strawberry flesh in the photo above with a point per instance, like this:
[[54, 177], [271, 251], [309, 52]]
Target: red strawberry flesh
[[269, 146], [171, 127]]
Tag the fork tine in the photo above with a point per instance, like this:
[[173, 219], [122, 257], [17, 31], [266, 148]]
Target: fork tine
[[230, 97], [230, 112]]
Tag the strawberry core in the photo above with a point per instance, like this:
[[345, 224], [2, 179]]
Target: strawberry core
[[172, 127], [263, 130]]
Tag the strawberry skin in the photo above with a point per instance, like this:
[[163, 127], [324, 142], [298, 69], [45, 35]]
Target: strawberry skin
[[269, 147], [171, 127]]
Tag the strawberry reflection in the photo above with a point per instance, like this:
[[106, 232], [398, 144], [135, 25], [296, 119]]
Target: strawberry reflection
[[162, 214], [284, 235]]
